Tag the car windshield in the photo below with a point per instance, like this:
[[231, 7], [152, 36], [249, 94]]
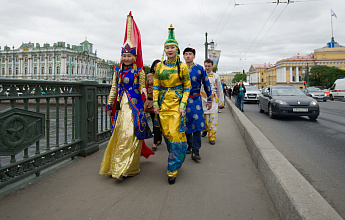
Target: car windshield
[[252, 88], [287, 91], [314, 90]]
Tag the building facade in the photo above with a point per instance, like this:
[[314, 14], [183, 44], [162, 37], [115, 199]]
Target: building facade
[[54, 62], [292, 71]]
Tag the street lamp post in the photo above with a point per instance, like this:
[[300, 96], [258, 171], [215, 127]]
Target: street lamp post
[[206, 46]]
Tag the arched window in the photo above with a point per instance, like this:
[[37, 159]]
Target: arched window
[[58, 70], [35, 70], [50, 70], [10, 71], [42, 70], [26, 71], [17, 70]]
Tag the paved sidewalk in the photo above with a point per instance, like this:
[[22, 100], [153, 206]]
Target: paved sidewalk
[[225, 184]]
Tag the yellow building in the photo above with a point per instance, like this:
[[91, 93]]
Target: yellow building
[[257, 74], [228, 77]]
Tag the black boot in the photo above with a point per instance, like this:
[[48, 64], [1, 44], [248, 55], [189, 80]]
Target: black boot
[[195, 155], [203, 134], [171, 180], [189, 149]]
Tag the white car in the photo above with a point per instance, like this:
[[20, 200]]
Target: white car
[[252, 94], [337, 91]]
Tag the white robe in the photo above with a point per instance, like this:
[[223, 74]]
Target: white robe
[[217, 94]]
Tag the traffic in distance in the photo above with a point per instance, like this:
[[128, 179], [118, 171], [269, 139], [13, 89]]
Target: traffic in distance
[[280, 101]]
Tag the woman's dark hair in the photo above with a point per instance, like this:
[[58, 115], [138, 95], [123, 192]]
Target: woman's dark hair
[[153, 66]]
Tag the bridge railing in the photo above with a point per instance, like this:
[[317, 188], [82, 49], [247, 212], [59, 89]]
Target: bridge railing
[[43, 123]]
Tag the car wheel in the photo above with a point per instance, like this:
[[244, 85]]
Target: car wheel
[[313, 118], [270, 111], [325, 100], [331, 97]]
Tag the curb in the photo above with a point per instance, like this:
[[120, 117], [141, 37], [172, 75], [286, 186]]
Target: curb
[[292, 195]]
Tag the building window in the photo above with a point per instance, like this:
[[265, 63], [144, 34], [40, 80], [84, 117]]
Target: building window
[[50, 58], [17, 59], [293, 68], [42, 58], [3, 71], [25, 70], [9, 71], [57, 58], [42, 70], [58, 70], [10, 59], [35, 59], [3, 60], [17, 71], [50, 70], [67, 70], [25, 59], [35, 70], [293, 78], [72, 70]]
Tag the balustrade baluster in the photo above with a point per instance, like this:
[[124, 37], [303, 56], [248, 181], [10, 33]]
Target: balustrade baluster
[[101, 113], [65, 120], [78, 119], [47, 124], [106, 113], [26, 150], [73, 119], [57, 114], [38, 142]]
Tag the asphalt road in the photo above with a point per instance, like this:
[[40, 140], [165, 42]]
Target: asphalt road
[[316, 149]]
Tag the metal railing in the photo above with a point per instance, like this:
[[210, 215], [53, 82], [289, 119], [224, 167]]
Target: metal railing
[[43, 123]]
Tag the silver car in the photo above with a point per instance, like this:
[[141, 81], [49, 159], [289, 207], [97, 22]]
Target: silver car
[[316, 93], [252, 94]]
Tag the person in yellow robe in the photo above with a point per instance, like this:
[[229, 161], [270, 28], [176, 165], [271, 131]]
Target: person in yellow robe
[[129, 128], [171, 89]]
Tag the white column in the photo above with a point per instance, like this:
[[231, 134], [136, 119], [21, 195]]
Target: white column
[[297, 74], [21, 65], [291, 74]]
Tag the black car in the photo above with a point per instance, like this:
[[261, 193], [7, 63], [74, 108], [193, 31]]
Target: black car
[[287, 101]]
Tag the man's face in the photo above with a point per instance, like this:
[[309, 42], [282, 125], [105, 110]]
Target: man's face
[[188, 57], [208, 67]]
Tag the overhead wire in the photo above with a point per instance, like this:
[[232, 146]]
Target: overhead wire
[[215, 32], [202, 17]]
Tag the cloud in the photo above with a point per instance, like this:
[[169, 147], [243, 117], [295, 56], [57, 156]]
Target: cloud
[[254, 31]]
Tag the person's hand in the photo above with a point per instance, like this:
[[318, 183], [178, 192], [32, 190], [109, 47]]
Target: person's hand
[[156, 110], [209, 105], [109, 113], [144, 91], [181, 112]]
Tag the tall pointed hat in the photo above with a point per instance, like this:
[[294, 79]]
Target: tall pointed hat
[[132, 40], [171, 37]]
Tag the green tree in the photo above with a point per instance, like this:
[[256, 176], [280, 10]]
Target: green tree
[[239, 77], [324, 75]]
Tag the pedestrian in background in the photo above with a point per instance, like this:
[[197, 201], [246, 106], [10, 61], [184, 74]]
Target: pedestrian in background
[[240, 96], [148, 105], [235, 93]]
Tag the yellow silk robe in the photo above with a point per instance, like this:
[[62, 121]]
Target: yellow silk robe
[[122, 155], [170, 92]]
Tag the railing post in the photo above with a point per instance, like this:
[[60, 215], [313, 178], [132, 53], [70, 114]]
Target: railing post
[[88, 113]]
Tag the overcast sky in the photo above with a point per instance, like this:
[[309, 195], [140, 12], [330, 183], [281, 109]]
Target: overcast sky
[[250, 32]]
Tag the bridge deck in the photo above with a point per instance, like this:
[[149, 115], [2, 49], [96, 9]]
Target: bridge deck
[[223, 185]]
